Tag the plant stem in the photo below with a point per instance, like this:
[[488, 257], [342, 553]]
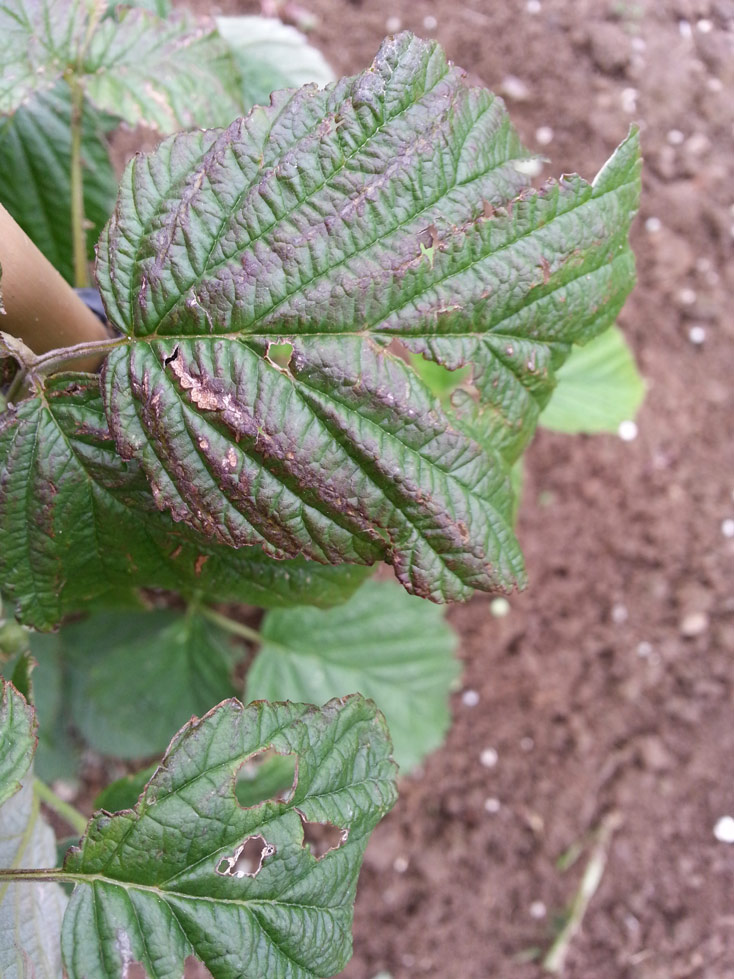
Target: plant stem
[[30, 873], [49, 362], [78, 230], [554, 960], [67, 812], [236, 628]]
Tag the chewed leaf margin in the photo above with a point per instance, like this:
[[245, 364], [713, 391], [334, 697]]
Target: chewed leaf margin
[[192, 899]]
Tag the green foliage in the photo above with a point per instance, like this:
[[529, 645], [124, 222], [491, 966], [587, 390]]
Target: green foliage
[[35, 179], [389, 646], [340, 320], [136, 677], [599, 387]]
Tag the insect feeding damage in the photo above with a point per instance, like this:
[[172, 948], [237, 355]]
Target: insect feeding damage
[[247, 859]]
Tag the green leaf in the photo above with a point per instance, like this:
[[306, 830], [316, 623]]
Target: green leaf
[[35, 184], [124, 792], [387, 206], [30, 915], [31, 912], [384, 644], [17, 739], [168, 73], [270, 55], [599, 387], [79, 526], [136, 677], [161, 883]]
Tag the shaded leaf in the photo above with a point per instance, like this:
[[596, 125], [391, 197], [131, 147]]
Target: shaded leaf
[[270, 55], [136, 677], [599, 387], [293, 917], [124, 792], [384, 644], [388, 205], [17, 739], [79, 526], [35, 167]]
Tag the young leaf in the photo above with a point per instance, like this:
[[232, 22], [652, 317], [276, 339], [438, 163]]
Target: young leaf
[[382, 643], [30, 913], [17, 739], [35, 184], [599, 386], [386, 206], [95, 529], [136, 677], [270, 55], [162, 882]]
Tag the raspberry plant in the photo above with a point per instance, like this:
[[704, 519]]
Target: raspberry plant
[[265, 428]]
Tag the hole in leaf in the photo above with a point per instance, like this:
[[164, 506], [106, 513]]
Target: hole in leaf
[[134, 970], [247, 859], [440, 381], [266, 776], [279, 354], [321, 838]]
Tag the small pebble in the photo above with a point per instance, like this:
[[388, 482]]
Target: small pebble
[[727, 527], [629, 100], [531, 168], [499, 607], [697, 335], [470, 698], [619, 613], [653, 225], [714, 85], [638, 44], [430, 23], [724, 829], [489, 758], [684, 29], [644, 649], [538, 910], [400, 865], [544, 135], [492, 805], [514, 88], [686, 296], [704, 26], [533, 6], [694, 624], [675, 137], [627, 431], [527, 744], [393, 25]]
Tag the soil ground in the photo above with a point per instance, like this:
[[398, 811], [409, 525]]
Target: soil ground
[[608, 687]]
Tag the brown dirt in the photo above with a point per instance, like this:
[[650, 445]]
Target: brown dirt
[[590, 691]]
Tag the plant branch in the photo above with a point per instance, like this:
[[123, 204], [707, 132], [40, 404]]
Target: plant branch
[[229, 625], [78, 229], [67, 812]]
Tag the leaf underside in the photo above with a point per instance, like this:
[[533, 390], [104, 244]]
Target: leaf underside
[[78, 527], [385, 207], [17, 739], [153, 882]]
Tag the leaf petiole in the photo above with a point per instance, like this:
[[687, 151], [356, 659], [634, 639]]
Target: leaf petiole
[[67, 812], [230, 625]]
